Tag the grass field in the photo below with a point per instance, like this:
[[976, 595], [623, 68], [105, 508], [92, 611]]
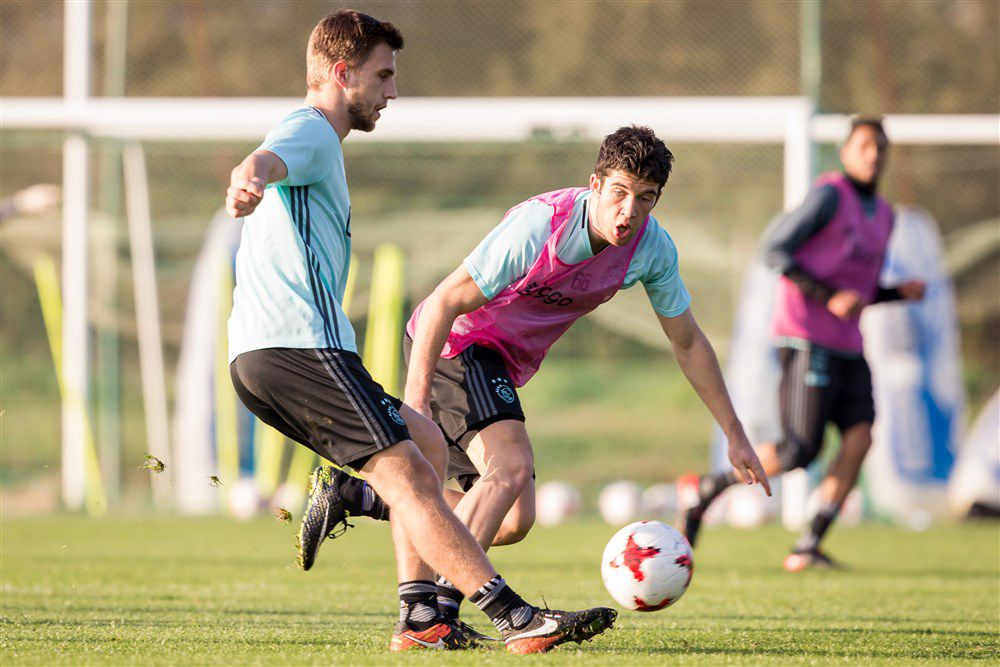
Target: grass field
[[211, 591]]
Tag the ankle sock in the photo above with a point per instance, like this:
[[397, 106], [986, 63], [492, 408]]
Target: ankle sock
[[360, 498], [449, 598], [418, 604], [710, 486], [814, 532], [505, 608]]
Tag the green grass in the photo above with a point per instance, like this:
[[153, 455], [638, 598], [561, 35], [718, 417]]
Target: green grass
[[211, 591]]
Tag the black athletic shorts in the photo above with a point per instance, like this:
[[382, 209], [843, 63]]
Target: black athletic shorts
[[819, 386], [324, 399], [468, 393]]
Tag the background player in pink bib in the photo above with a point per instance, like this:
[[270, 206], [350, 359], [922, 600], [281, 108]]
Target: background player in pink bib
[[829, 252], [486, 328]]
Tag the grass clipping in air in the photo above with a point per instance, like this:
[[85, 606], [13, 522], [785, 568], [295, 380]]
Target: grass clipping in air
[[153, 463]]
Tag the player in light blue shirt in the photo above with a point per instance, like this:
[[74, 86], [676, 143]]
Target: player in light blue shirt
[[295, 249], [294, 363]]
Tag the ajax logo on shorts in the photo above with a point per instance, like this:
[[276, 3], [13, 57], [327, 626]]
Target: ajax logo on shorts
[[502, 387], [393, 412]]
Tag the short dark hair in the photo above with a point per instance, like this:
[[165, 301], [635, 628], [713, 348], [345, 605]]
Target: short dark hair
[[863, 120], [636, 150], [346, 35]]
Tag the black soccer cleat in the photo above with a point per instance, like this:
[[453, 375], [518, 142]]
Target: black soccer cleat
[[475, 635], [549, 628], [324, 515]]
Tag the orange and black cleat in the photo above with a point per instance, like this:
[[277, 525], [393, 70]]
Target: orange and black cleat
[[442, 636]]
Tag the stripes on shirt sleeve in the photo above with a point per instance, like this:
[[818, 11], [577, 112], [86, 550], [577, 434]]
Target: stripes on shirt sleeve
[[322, 298]]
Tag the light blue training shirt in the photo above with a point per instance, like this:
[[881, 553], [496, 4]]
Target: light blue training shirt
[[507, 252], [295, 249]]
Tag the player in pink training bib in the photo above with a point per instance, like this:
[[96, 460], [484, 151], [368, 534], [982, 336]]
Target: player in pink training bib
[[486, 329], [829, 252]]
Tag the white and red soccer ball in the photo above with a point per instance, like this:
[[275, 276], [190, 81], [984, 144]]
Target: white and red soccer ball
[[647, 566]]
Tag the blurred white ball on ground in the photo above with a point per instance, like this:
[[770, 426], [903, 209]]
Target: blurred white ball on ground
[[244, 500], [290, 496], [659, 501], [747, 506], [556, 502], [619, 502]]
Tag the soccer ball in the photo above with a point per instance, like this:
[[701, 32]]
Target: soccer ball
[[660, 501], [244, 499], [556, 502], [618, 503], [647, 566]]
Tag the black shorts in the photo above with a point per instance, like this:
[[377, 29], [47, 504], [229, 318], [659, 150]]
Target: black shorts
[[468, 393], [819, 386], [321, 398]]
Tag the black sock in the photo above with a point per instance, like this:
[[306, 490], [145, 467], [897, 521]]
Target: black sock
[[449, 598], [811, 536], [360, 498], [710, 486], [418, 604], [504, 607]]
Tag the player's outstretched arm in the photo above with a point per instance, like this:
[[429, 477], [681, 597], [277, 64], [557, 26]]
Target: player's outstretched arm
[[248, 180], [455, 295], [701, 367]]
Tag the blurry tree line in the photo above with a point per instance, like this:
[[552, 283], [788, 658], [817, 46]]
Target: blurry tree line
[[889, 56]]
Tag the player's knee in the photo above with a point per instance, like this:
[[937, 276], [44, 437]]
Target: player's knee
[[514, 468], [521, 472], [410, 477], [794, 453], [509, 480], [428, 438]]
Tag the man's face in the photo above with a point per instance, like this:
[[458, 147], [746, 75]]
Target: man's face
[[621, 203], [864, 154], [370, 87]]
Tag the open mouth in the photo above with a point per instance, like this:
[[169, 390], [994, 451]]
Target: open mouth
[[621, 231]]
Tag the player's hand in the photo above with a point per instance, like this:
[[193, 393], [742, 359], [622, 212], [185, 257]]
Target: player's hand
[[845, 304], [243, 195], [913, 290], [420, 406], [744, 459]]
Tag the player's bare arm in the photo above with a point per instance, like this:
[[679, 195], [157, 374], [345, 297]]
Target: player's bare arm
[[697, 360], [248, 180], [455, 295]]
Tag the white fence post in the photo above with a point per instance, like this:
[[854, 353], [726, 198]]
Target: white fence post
[[76, 209]]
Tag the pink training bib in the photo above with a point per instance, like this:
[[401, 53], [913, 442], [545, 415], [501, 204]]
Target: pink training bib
[[847, 254], [525, 319]]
